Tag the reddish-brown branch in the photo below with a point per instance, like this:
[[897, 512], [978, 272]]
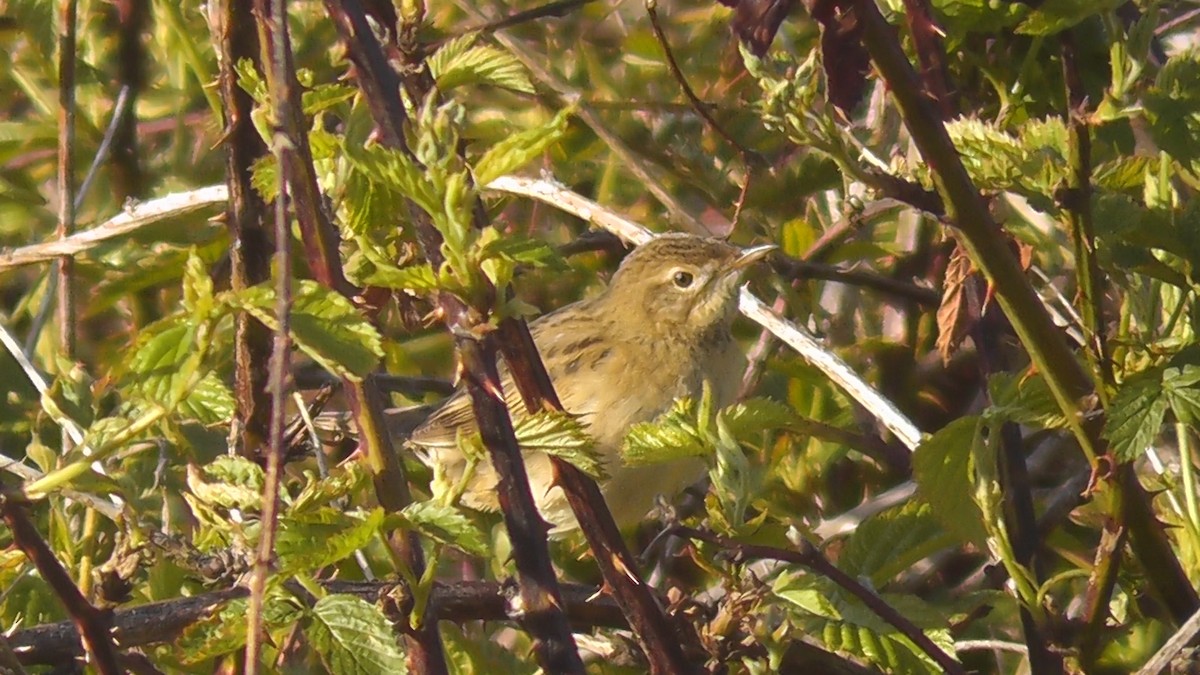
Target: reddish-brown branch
[[91, 624]]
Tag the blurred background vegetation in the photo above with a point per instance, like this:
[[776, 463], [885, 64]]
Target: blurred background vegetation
[[870, 263]]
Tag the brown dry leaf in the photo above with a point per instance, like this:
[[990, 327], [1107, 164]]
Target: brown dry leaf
[[953, 319]]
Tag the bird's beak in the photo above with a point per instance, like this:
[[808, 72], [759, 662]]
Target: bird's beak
[[750, 256]]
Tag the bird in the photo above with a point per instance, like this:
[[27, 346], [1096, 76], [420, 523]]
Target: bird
[[659, 332]]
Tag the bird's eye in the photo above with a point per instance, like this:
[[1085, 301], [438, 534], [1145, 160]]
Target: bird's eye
[[683, 279]]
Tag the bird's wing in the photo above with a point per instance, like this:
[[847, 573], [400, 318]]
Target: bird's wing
[[552, 333]]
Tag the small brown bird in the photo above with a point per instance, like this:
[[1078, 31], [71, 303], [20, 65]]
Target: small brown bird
[[656, 334]]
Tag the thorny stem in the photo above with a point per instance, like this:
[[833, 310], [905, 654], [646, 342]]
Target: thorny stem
[[232, 24], [1078, 209]]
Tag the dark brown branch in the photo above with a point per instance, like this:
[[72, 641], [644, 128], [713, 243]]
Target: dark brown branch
[[66, 184], [132, 17], [162, 622], [800, 269], [809, 557], [249, 249], [91, 624], [553, 644]]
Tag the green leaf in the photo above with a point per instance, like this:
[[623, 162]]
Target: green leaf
[[557, 433], [1054, 16], [1136, 414], [228, 482], [1025, 400], [750, 419], [341, 482], [210, 401], [1173, 107], [324, 325], [442, 523], [459, 62], [325, 536], [890, 542], [395, 170], [325, 96], [1180, 385], [417, 278], [519, 149], [354, 637], [672, 436], [197, 287], [945, 481], [823, 612]]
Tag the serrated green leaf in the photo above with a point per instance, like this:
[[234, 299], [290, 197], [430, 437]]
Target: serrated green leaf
[[417, 278], [749, 419], [843, 624], [442, 523], [519, 149], [1025, 400], [324, 536], [672, 436], [325, 96], [395, 170], [520, 249], [942, 470], [886, 544], [460, 62], [1123, 173], [557, 433], [324, 325], [318, 492], [353, 637], [1055, 16], [210, 401], [1181, 385], [1136, 414], [197, 287], [228, 482]]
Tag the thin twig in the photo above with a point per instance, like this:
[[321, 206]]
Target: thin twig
[[676, 211], [1173, 648], [133, 218], [750, 159], [809, 557], [66, 184]]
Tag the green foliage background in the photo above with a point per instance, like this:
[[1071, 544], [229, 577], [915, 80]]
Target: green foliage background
[[588, 99]]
